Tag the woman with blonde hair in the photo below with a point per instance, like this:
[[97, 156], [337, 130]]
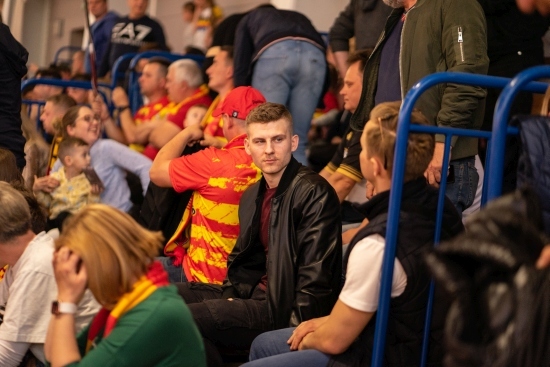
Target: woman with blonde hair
[[143, 322]]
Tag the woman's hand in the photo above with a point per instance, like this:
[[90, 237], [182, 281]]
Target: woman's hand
[[70, 275], [46, 184]]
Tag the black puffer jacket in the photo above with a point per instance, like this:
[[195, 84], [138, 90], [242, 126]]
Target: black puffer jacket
[[304, 262], [500, 315]]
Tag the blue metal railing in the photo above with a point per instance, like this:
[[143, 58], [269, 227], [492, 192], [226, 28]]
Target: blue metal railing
[[57, 83], [403, 128]]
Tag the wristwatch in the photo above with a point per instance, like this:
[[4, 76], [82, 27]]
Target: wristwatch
[[63, 307]]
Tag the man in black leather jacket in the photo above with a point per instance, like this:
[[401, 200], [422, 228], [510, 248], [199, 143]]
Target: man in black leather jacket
[[292, 212]]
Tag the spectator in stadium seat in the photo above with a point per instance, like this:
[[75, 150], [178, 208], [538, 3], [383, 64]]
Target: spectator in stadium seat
[[185, 89], [28, 287], [109, 159], [286, 264], [220, 79], [345, 337], [143, 322], [152, 83], [218, 178]]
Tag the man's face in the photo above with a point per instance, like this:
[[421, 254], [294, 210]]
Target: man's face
[[220, 73], [137, 8], [271, 145], [353, 86], [48, 116], [78, 94], [175, 89], [97, 7], [150, 80]]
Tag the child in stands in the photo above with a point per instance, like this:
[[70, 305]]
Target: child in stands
[[74, 190]]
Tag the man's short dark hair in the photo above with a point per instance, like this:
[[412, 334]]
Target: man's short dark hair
[[360, 56], [48, 73], [163, 64], [269, 112], [230, 52], [62, 100]]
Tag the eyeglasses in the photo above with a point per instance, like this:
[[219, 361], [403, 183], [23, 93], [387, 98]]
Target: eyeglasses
[[386, 119], [89, 118]]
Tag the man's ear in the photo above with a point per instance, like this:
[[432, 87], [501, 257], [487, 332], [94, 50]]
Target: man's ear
[[294, 140], [377, 166]]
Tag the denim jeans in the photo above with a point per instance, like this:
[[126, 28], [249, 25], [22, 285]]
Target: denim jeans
[[292, 73], [175, 273], [462, 191], [271, 350]]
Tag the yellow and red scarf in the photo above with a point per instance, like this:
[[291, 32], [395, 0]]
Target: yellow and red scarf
[[106, 319]]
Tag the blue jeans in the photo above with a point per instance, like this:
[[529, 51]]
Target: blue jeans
[[271, 350], [292, 73], [462, 190], [175, 273]]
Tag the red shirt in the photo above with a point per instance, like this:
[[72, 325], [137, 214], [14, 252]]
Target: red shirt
[[218, 177], [177, 112]]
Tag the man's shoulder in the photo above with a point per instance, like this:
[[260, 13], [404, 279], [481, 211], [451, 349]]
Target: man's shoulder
[[38, 255]]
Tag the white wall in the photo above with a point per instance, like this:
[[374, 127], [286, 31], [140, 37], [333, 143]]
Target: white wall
[[71, 14]]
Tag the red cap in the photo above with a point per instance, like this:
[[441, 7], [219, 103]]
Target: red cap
[[239, 102]]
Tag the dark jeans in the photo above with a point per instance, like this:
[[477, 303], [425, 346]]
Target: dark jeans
[[462, 183], [225, 324]]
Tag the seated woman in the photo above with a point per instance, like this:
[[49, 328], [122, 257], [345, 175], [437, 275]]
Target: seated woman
[[109, 159], [143, 321]]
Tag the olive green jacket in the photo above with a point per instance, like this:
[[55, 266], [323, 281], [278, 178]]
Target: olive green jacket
[[438, 35]]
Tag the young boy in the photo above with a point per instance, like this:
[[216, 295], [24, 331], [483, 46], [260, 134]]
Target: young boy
[[345, 337], [74, 190]]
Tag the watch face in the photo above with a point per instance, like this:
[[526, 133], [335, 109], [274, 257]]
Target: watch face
[[55, 308]]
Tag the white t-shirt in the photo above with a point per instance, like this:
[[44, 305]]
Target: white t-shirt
[[27, 292], [363, 275]]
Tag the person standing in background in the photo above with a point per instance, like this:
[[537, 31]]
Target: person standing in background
[[101, 30], [13, 66]]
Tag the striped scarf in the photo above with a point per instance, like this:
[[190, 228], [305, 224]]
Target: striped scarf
[[106, 319]]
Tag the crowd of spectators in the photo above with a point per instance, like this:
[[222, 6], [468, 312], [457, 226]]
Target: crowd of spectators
[[241, 210]]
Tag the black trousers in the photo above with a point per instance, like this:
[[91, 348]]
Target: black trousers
[[225, 325]]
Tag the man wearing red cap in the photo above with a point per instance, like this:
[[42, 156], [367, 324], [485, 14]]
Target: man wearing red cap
[[218, 177]]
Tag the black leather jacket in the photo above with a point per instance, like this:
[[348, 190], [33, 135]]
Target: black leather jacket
[[304, 262]]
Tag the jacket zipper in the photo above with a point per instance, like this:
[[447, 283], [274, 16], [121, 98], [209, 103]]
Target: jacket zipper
[[460, 42]]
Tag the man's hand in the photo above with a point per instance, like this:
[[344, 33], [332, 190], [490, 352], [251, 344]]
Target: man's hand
[[194, 134], [211, 141], [120, 98], [433, 172], [99, 108], [302, 330], [370, 190], [96, 189], [544, 259], [46, 184]]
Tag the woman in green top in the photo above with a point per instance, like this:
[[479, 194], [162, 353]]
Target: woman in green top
[[143, 321]]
